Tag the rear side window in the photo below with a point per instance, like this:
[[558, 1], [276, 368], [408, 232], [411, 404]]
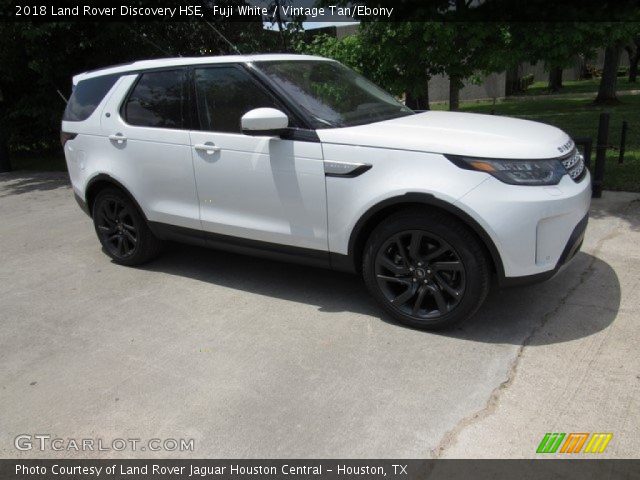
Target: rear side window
[[157, 100], [86, 96], [224, 95]]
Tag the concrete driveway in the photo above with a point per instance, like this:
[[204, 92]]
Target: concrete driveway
[[252, 358]]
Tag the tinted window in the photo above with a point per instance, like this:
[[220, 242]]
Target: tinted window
[[332, 94], [157, 100], [224, 95], [86, 96]]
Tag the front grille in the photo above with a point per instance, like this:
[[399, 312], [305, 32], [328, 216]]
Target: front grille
[[574, 165]]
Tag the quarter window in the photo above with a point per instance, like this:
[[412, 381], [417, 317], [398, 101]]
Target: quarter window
[[158, 100], [224, 95], [86, 96]]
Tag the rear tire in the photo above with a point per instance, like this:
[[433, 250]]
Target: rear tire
[[426, 269], [122, 230]]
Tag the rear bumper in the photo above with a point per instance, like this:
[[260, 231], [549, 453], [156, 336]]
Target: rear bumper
[[81, 203]]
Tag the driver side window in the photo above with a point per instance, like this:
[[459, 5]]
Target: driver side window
[[224, 95]]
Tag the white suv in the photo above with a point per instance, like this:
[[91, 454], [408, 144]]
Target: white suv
[[299, 158]]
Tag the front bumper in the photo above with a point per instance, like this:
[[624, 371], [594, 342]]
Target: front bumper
[[535, 230], [571, 248]]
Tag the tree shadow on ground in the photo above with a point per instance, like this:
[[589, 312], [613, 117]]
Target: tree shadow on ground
[[626, 207], [18, 183]]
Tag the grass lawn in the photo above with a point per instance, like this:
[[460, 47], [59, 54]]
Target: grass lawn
[[580, 86], [579, 118]]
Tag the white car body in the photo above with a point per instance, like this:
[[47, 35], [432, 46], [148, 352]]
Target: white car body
[[251, 190], [528, 225]]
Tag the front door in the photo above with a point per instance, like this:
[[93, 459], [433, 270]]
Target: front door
[[259, 188]]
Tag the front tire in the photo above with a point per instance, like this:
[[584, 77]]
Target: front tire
[[426, 269], [122, 230]]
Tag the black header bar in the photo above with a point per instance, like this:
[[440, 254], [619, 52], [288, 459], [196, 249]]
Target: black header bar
[[322, 10]]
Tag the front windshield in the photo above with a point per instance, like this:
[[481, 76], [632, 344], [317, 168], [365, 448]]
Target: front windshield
[[332, 94]]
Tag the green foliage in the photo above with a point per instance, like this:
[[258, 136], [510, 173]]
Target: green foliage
[[39, 59], [402, 56], [289, 30], [348, 50], [558, 44], [36, 58]]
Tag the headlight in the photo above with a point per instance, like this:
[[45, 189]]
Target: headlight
[[515, 172]]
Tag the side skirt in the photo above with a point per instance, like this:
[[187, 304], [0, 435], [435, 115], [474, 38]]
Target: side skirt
[[244, 246]]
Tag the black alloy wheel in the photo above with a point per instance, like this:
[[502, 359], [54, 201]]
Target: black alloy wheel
[[116, 228], [122, 229], [420, 274], [426, 268]]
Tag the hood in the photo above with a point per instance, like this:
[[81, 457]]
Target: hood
[[457, 133]]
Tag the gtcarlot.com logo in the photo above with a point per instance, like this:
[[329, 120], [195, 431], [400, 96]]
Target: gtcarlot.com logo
[[46, 442]]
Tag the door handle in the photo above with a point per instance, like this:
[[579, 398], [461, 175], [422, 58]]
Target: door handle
[[208, 147], [118, 138]]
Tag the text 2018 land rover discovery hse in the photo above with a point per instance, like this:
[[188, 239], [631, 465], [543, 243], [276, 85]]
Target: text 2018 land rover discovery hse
[[299, 158]]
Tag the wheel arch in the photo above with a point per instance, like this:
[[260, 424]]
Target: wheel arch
[[377, 213], [102, 181]]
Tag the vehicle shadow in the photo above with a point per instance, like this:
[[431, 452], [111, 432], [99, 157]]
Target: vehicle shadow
[[582, 299], [508, 316]]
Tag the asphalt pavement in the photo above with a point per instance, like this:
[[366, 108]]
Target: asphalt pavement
[[254, 358]]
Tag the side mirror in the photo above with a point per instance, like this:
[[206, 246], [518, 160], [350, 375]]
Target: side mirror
[[267, 122]]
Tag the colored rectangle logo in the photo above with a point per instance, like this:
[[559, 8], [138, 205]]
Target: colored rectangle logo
[[574, 442]]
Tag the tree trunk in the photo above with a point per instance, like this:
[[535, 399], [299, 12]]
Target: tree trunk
[[609, 80], [512, 81], [417, 102], [5, 163], [455, 84], [555, 79], [634, 57], [583, 71]]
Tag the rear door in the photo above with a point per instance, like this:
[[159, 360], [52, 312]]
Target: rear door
[[264, 188], [149, 148]]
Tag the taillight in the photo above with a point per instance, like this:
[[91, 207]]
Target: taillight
[[65, 136]]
